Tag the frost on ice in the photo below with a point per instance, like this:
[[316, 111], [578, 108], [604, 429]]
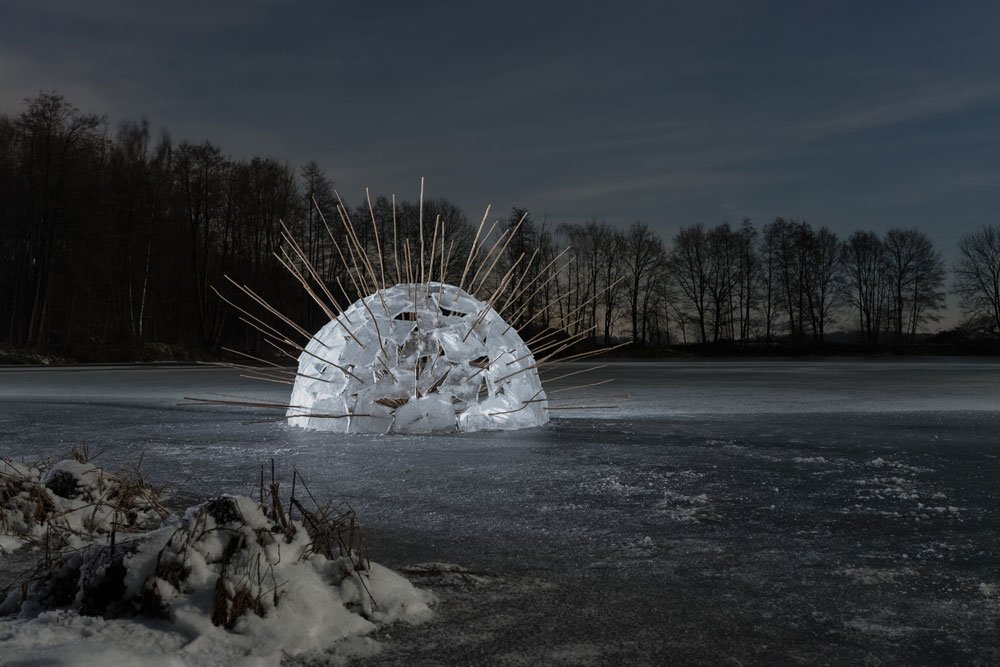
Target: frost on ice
[[417, 358]]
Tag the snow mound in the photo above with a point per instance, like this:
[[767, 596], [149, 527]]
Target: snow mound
[[417, 358], [70, 504], [225, 582]]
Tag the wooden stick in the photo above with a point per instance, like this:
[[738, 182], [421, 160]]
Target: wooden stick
[[258, 373], [280, 369], [395, 243], [378, 242], [312, 354], [581, 355], [593, 353], [583, 407], [488, 364], [409, 267], [445, 264], [569, 342], [347, 267], [487, 307], [517, 285], [552, 331], [250, 356], [489, 254], [430, 267], [560, 377], [316, 298], [309, 267], [262, 323], [524, 404], [247, 367], [505, 280], [290, 267], [356, 255], [472, 251], [345, 216], [274, 311], [421, 222], [243, 403], [265, 378], [378, 335], [340, 254], [527, 302], [549, 305], [582, 386], [510, 238], [537, 277], [311, 415]]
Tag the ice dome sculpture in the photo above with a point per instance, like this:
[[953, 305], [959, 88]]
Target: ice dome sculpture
[[417, 358]]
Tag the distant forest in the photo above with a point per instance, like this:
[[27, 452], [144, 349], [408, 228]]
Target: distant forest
[[113, 242]]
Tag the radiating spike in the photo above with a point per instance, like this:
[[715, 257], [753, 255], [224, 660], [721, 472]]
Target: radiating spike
[[421, 223], [560, 377], [502, 250], [472, 251], [378, 242], [581, 386], [395, 240]]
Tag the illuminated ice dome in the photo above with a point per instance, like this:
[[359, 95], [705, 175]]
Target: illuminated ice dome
[[417, 358]]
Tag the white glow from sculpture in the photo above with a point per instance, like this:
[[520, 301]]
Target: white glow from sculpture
[[417, 358]]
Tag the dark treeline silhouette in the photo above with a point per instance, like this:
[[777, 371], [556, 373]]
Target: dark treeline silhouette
[[114, 242]]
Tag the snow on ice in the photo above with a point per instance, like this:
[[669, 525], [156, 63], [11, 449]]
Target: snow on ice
[[229, 582]]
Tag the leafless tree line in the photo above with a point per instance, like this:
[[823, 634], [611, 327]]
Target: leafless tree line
[[786, 281], [793, 281], [114, 239]]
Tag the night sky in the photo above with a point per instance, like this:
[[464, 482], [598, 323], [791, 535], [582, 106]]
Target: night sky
[[855, 115]]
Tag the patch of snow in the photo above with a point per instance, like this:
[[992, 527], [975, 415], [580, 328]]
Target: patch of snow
[[883, 463], [867, 575], [685, 508], [612, 485], [224, 584], [71, 504], [881, 629]]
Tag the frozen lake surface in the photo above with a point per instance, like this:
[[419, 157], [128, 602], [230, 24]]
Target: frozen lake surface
[[729, 512]]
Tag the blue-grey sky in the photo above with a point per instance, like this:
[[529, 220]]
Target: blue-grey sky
[[846, 114]]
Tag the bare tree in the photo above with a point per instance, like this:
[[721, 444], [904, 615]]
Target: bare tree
[[782, 238], [723, 259], [55, 141], [927, 292], [644, 254], [769, 282], [977, 279], [689, 260], [915, 276], [748, 273], [864, 271], [823, 278], [612, 272], [318, 202]]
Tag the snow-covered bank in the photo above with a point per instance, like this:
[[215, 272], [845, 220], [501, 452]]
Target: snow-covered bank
[[232, 581], [72, 503]]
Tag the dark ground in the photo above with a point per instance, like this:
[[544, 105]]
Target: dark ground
[[729, 513]]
